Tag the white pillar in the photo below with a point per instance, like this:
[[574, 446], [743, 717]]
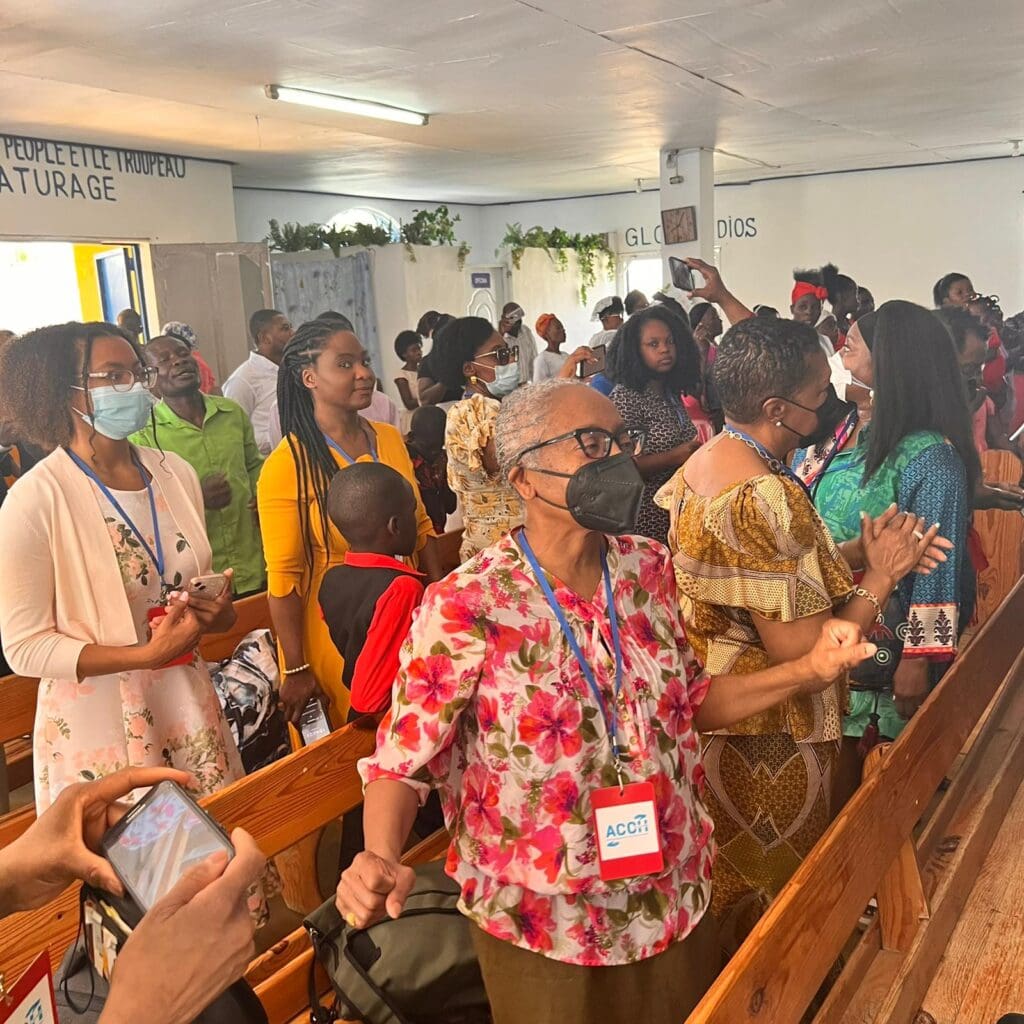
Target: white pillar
[[688, 180]]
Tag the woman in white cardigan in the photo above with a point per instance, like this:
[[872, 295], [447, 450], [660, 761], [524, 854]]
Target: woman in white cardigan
[[99, 538]]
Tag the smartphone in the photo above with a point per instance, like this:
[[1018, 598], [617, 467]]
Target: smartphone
[[208, 587], [163, 836], [313, 725], [682, 275], [594, 365]]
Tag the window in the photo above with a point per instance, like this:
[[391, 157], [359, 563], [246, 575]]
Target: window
[[645, 273], [366, 215]]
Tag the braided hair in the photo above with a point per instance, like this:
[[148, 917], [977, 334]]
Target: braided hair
[[314, 464]]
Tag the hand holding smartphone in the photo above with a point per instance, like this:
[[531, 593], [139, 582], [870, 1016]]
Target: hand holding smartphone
[[161, 838]]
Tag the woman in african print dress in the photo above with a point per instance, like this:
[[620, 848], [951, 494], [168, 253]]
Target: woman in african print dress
[[758, 574], [912, 445]]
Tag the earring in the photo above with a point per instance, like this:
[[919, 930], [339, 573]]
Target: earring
[[778, 423], [474, 380]]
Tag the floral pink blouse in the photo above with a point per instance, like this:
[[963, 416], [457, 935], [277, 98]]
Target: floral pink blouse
[[492, 709]]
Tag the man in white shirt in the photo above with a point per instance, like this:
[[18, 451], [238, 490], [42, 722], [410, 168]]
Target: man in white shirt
[[254, 384], [515, 332], [610, 312]]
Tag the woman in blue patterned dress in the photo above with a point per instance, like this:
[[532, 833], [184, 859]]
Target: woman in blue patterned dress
[[913, 445]]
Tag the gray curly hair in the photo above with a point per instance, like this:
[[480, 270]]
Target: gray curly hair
[[522, 418]]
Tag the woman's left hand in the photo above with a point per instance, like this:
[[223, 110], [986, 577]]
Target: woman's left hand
[[841, 646], [897, 542], [216, 615]]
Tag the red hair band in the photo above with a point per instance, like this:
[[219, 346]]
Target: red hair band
[[802, 288]]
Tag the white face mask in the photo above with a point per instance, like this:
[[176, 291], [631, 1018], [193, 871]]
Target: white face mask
[[119, 414], [506, 380]]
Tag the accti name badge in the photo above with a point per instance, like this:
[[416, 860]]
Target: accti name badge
[[31, 1000], [628, 839]]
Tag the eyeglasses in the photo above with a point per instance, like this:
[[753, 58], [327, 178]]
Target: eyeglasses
[[503, 356], [125, 380], [595, 443]]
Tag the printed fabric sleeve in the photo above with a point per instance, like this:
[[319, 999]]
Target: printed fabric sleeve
[[439, 670], [280, 523], [667, 598], [31, 641], [934, 485], [470, 427], [377, 665], [770, 553]]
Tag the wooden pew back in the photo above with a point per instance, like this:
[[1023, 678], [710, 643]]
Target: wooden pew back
[[1001, 535], [777, 972]]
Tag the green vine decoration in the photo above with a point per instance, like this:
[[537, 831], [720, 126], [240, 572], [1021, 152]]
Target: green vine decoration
[[291, 237], [433, 227], [313, 237], [590, 251]]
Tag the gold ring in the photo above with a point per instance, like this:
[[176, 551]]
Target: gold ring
[[350, 920]]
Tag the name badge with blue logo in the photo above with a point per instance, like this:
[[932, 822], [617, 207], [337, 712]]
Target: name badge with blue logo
[[30, 1000], [628, 839]]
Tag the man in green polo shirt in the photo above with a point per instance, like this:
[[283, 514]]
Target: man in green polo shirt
[[215, 437]]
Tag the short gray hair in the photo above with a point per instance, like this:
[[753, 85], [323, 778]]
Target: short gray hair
[[523, 416]]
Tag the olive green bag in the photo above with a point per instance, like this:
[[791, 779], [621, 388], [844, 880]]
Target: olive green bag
[[420, 968]]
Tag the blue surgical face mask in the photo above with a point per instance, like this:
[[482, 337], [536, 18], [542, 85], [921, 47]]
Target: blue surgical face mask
[[119, 414], [506, 380]]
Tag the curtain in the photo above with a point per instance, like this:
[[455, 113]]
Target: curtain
[[309, 283]]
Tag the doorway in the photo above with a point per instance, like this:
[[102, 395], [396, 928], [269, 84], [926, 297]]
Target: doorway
[[54, 282], [644, 273]]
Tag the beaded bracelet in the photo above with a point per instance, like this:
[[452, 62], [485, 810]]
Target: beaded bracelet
[[305, 668]]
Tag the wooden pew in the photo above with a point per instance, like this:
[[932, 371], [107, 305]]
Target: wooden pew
[[922, 880], [17, 719], [279, 806], [1002, 537]]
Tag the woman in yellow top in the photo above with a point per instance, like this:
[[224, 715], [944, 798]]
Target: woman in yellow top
[[758, 575], [325, 380]]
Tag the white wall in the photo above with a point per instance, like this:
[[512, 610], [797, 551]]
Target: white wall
[[540, 287], [254, 209], [63, 190], [404, 290], [896, 230]]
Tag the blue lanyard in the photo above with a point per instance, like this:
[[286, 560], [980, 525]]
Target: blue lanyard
[[611, 721], [156, 557], [345, 455], [777, 466]]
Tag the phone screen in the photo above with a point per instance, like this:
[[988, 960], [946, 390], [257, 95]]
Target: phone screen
[[158, 841], [313, 725], [682, 275]]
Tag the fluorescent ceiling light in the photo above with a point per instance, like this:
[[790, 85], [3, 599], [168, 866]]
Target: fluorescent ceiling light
[[364, 108]]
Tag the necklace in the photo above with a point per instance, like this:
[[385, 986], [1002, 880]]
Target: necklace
[[777, 466]]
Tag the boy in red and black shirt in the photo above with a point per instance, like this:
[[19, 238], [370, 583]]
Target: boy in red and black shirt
[[368, 603]]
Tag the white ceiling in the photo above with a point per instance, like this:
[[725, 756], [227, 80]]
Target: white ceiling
[[527, 99]]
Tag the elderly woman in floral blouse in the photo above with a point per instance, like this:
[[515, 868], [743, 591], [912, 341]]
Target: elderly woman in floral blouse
[[548, 690]]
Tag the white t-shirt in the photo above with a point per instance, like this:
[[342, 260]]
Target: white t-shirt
[[602, 338], [254, 387], [547, 365], [527, 352]]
